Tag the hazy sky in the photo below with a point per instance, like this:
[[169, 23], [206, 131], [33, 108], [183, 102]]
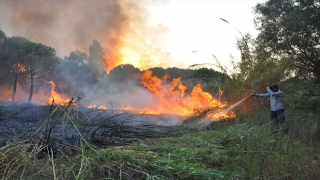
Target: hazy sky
[[145, 33], [195, 25]]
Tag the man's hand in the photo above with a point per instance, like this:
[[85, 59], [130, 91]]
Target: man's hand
[[269, 89], [253, 93]]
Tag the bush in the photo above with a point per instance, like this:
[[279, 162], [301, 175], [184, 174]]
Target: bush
[[304, 94]]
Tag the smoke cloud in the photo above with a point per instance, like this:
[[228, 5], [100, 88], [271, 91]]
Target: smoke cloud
[[68, 25], [119, 27]]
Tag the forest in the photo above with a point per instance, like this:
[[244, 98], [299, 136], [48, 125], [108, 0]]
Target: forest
[[29, 66]]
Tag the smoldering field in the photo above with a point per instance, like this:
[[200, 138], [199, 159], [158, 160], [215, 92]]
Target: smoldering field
[[99, 108], [111, 46], [65, 129]]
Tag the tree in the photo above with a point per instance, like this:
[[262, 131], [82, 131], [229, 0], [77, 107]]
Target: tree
[[71, 76], [256, 70], [11, 60], [23, 61], [291, 28], [18, 70], [40, 61], [2, 38], [123, 73], [2, 68], [78, 57], [158, 71], [96, 57]]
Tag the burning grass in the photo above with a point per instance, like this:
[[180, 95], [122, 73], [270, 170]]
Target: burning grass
[[98, 144], [55, 133], [65, 128], [171, 96]]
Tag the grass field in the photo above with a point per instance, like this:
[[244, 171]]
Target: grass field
[[248, 148]]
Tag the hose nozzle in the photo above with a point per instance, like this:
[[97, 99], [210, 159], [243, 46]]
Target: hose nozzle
[[253, 92]]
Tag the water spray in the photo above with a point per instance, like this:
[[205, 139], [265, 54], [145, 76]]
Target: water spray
[[235, 104], [208, 112]]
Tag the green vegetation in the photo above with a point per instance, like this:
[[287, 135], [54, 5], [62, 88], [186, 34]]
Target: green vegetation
[[291, 28]]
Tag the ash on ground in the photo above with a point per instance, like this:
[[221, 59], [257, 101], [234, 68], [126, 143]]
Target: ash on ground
[[66, 128]]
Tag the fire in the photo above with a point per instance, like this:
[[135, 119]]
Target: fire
[[56, 97], [167, 97], [146, 111], [171, 97], [93, 106], [127, 108], [21, 67]]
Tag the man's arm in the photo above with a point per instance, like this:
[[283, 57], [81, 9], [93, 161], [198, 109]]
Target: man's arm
[[262, 95]]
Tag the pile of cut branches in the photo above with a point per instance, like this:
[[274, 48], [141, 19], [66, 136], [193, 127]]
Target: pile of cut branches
[[119, 133], [67, 128]]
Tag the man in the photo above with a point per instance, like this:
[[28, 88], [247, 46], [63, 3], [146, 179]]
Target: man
[[276, 102]]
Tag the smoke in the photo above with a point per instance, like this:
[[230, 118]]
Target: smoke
[[67, 25], [120, 27]]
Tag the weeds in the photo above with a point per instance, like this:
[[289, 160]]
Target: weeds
[[245, 149]]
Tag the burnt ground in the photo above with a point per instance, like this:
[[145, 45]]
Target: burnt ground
[[65, 128]]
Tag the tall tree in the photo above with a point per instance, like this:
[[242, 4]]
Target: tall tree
[[2, 38], [96, 57], [78, 57], [40, 61], [292, 28], [74, 77]]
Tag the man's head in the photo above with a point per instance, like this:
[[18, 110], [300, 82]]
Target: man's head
[[274, 88]]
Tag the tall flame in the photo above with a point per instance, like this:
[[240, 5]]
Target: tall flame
[[56, 97]]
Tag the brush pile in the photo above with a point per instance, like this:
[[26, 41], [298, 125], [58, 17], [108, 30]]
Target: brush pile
[[67, 128]]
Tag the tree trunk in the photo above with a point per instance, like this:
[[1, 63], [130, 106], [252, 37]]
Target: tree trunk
[[316, 71], [15, 82], [31, 88]]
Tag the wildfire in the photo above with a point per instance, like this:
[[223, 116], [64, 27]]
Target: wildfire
[[168, 97], [171, 97], [56, 97]]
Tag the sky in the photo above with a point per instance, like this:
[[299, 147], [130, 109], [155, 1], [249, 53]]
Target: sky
[[195, 25], [145, 33]]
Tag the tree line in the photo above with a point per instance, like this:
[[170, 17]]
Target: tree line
[[29, 65]]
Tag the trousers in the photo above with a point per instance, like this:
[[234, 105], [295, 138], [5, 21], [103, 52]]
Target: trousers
[[278, 116]]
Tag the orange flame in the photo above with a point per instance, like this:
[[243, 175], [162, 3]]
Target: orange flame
[[56, 97], [93, 106], [173, 99], [21, 67]]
